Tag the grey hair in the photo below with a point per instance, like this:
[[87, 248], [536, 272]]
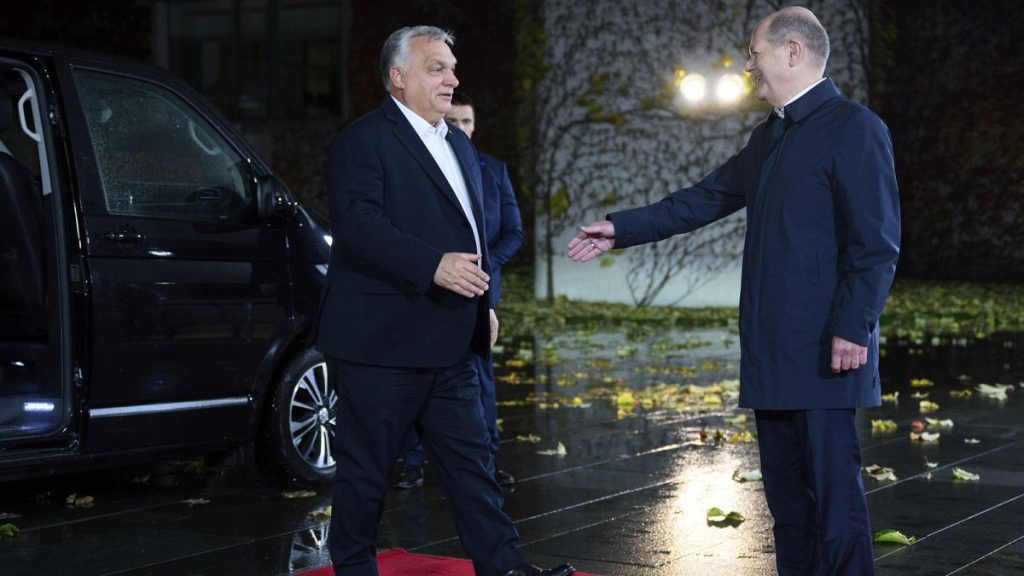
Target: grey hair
[[396, 48], [806, 27]]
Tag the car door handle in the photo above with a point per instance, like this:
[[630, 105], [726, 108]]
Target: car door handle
[[127, 234]]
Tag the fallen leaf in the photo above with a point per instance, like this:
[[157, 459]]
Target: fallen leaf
[[965, 393], [625, 400], [321, 514], [73, 501], [559, 451], [531, 438], [925, 436], [994, 391], [891, 397], [928, 406], [881, 473], [928, 464], [739, 420], [972, 441], [298, 494], [894, 537], [947, 423], [921, 383], [919, 395], [882, 425], [747, 476], [717, 517], [744, 437], [961, 474], [9, 530]]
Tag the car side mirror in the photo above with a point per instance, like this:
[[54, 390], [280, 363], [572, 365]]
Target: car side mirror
[[274, 201]]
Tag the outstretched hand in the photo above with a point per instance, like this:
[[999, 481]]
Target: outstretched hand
[[459, 273], [592, 241]]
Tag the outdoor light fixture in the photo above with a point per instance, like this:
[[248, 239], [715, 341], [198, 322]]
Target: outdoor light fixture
[[729, 88], [693, 87]]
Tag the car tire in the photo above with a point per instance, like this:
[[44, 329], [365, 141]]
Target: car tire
[[297, 440]]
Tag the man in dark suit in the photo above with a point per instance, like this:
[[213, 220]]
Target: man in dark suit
[[405, 309], [504, 227], [818, 184]]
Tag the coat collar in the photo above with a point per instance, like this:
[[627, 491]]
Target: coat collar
[[811, 101]]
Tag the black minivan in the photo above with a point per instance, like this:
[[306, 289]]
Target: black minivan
[[157, 281]]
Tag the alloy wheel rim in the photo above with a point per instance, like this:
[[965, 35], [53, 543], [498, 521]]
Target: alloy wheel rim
[[311, 417]]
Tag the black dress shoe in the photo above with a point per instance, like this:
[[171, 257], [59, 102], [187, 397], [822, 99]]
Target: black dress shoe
[[504, 478], [525, 569], [411, 477]]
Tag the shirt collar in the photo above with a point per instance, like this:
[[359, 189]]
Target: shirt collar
[[421, 126], [781, 111]]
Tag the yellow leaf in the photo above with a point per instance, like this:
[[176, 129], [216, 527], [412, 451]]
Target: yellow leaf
[[882, 425], [928, 406], [961, 474], [531, 438], [298, 494], [892, 397], [965, 393], [894, 537], [321, 514], [921, 383], [947, 423]]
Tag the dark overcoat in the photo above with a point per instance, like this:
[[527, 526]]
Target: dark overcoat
[[822, 241]]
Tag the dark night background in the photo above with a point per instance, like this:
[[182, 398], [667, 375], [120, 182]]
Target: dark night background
[[943, 77]]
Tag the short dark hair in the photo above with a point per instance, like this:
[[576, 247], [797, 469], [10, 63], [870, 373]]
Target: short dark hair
[[807, 28], [461, 99]]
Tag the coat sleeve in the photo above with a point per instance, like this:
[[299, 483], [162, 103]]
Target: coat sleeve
[[359, 226], [716, 196], [510, 235], [867, 198]]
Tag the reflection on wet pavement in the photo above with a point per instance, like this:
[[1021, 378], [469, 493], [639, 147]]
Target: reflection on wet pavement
[[652, 439]]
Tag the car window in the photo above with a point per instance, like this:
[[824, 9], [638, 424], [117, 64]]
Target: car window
[[157, 156]]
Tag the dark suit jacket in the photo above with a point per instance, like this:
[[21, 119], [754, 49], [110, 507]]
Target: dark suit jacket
[[502, 220], [822, 241], [393, 215]]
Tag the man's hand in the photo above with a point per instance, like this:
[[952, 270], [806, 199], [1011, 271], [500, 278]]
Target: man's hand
[[846, 355], [494, 328], [592, 241], [459, 273]]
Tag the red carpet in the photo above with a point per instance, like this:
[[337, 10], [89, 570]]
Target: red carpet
[[398, 562]]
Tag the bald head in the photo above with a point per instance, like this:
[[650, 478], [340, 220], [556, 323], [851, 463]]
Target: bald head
[[799, 24]]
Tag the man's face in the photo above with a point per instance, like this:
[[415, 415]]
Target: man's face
[[769, 66], [426, 83], [463, 119]]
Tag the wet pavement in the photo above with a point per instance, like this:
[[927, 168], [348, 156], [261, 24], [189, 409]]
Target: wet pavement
[[651, 442]]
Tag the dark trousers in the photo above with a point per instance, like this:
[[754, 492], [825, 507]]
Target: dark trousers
[[377, 406], [810, 461], [413, 448]]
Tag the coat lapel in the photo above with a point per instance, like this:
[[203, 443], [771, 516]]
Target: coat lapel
[[411, 141]]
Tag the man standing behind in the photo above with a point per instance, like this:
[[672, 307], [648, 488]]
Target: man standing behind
[[404, 310], [504, 229], [818, 184]]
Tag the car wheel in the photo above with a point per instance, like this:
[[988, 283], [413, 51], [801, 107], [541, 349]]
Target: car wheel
[[297, 442]]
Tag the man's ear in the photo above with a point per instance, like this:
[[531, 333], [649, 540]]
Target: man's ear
[[397, 77], [796, 52]]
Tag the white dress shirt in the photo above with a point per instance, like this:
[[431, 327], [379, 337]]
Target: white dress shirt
[[435, 138]]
